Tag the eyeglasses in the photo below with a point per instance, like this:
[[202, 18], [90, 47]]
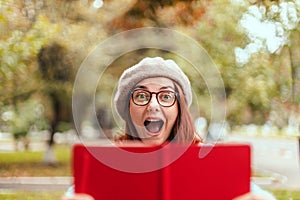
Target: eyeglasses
[[165, 98]]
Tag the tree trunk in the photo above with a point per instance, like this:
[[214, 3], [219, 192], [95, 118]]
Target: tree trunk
[[295, 66], [49, 157]]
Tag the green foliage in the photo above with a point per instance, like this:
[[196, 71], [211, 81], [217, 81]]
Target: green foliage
[[19, 45], [73, 28], [22, 117], [251, 89], [218, 33], [18, 51]]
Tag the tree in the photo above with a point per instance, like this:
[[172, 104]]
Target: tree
[[56, 70], [272, 28], [20, 40], [159, 13]]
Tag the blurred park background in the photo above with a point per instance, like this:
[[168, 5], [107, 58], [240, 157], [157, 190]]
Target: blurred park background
[[255, 45]]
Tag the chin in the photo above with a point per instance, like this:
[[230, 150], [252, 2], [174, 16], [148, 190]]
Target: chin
[[153, 142]]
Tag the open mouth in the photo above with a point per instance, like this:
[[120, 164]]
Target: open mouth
[[153, 126]]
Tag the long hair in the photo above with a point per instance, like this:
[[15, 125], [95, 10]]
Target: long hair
[[183, 129], [182, 132]]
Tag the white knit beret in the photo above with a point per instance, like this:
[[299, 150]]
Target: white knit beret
[[148, 68]]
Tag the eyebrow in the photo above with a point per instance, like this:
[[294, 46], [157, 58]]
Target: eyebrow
[[144, 87]]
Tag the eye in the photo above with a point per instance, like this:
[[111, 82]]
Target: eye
[[141, 95], [166, 96]]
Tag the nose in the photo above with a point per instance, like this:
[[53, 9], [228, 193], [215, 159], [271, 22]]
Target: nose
[[153, 105]]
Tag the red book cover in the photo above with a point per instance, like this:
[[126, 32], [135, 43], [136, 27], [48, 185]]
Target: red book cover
[[171, 172]]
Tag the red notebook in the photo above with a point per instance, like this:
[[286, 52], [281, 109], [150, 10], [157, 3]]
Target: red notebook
[[170, 172]]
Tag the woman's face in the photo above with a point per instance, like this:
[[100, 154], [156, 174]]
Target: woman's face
[[153, 121]]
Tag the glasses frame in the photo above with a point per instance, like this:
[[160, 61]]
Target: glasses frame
[[156, 95]]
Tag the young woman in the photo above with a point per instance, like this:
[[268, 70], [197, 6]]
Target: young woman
[[153, 98]]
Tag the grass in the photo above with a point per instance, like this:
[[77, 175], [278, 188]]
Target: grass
[[27, 163], [32, 196], [286, 194]]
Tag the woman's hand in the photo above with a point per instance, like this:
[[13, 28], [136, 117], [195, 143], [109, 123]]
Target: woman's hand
[[250, 196], [78, 196]]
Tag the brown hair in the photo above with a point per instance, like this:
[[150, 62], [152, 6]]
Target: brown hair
[[183, 130]]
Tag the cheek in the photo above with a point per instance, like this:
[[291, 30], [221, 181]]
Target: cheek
[[172, 114], [135, 112]]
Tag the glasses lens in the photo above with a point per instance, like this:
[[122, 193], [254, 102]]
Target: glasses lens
[[166, 98], [141, 97]]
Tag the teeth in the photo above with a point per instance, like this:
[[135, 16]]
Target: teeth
[[150, 121]]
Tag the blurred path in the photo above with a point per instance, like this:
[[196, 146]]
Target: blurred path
[[277, 158], [35, 184]]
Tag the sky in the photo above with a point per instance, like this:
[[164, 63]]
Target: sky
[[267, 29]]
